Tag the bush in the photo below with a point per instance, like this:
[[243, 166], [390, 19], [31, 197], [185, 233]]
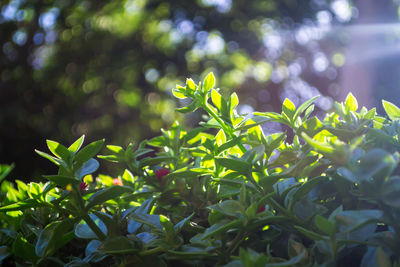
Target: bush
[[222, 194]]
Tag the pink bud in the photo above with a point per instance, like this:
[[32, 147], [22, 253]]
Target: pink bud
[[261, 209], [117, 181], [161, 173], [83, 186]]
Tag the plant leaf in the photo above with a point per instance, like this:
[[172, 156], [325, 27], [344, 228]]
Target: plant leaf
[[391, 109], [50, 235], [88, 167], [229, 207], [119, 245], [289, 109], [82, 230], [77, 144], [351, 102], [238, 165], [61, 180], [58, 150], [303, 107], [106, 194], [21, 205], [209, 82], [88, 152]]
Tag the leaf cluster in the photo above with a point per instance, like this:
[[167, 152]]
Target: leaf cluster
[[229, 195]]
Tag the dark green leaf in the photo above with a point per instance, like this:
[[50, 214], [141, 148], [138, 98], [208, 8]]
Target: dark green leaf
[[168, 226], [231, 143], [21, 205], [5, 170], [326, 226], [229, 207], [306, 188], [235, 182], [50, 235], [391, 192], [178, 227], [119, 245], [194, 172], [23, 249], [310, 234], [88, 152], [55, 160], [156, 160], [238, 165], [220, 227], [108, 220], [376, 163], [62, 180], [4, 253], [106, 194], [350, 220]]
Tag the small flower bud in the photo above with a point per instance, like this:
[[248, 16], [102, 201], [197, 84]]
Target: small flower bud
[[161, 173], [118, 181], [83, 186], [261, 209]]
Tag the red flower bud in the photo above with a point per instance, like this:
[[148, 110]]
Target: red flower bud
[[261, 209], [161, 173], [83, 186]]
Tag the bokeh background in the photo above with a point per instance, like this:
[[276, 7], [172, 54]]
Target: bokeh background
[[106, 68]]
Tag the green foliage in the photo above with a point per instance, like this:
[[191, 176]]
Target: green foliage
[[105, 62], [222, 194]]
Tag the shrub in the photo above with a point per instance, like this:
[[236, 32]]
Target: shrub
[[221, 194]]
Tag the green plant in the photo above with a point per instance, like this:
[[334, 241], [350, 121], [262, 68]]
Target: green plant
[[221, 194]]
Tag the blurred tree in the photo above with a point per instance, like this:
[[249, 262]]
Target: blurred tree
[[105, 68]]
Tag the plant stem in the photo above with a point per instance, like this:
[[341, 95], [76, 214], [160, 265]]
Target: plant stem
[[236, 241], [94, 227], [152, 251], [250, 177], [85, 216], [222, 124]]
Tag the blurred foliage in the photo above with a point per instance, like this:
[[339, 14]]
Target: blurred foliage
[[106, 68]]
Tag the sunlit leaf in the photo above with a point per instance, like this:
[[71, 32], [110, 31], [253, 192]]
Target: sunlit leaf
[[209, 82]]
